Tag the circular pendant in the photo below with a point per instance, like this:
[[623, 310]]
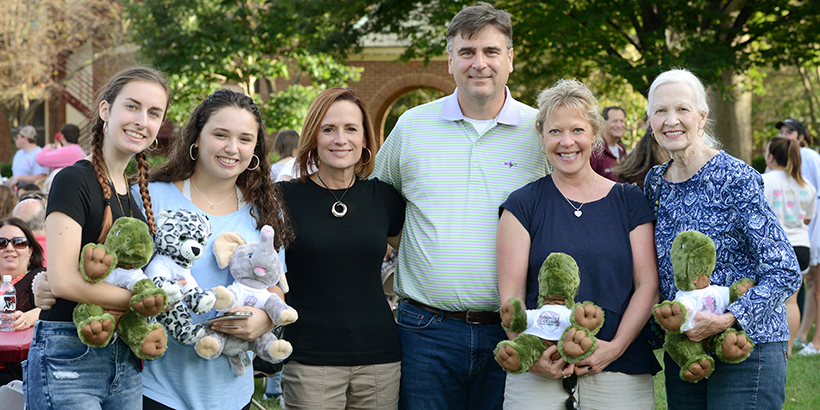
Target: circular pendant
[[340, 211]]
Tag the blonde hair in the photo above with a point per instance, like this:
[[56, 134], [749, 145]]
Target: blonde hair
[[570, 93]]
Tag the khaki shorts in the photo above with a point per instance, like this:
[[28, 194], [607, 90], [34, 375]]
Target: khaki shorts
[[605, 390], [371, 387]]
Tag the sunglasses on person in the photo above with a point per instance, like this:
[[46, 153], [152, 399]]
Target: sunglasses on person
[[570, 384], [17, 243]]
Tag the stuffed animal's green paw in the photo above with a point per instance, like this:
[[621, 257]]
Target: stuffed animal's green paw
[[513, 316], [148, 300], [589, 316], [739, 288], [733, 346], [96, 262], [507, 357], [670, 315], [96, 331], [576, 344], [697, 369], [154, 344]]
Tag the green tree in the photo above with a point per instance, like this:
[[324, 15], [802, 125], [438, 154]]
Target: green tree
[[204, 45], [631, 40]]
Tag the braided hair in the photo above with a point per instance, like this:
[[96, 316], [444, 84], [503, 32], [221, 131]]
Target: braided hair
[[109, 93]]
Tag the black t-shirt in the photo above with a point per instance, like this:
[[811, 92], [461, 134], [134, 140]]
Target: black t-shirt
[[76, 193], [334, 273], [25, 297]]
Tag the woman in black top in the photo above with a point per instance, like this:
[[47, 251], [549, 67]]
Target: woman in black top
[[346, 351]]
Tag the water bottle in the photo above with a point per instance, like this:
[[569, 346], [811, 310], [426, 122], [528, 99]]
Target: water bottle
[[9, 304]]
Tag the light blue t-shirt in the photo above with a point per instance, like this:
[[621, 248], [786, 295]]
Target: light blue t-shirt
[[24, 163], [181, 379]]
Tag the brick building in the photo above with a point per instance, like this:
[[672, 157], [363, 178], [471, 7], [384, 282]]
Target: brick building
[[382, 83]]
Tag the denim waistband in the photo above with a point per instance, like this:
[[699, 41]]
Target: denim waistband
[[45, 328]]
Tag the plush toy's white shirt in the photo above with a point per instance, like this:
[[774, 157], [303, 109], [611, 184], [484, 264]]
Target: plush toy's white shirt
[[165, 267], [548, 322], [712, 299], [125, 278], [248, 296]]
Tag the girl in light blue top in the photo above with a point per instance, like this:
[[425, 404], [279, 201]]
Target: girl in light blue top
[[218, 167]]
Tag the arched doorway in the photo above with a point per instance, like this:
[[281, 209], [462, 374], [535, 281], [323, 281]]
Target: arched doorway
[[407, 101]]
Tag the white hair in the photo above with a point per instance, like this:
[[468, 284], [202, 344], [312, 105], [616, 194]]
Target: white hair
[[684, 76]]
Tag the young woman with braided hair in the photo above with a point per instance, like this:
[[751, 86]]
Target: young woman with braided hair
[[84, 200]]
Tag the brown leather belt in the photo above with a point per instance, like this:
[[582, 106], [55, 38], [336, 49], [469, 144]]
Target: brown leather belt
[[473, 317]]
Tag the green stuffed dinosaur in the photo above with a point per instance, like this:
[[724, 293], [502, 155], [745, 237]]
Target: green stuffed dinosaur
[[693, 260], [559, 320], [119, 261]]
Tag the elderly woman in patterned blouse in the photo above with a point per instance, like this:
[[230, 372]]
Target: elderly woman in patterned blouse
[[708, 190]]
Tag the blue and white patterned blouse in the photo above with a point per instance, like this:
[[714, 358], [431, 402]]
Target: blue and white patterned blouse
[[725, 201]]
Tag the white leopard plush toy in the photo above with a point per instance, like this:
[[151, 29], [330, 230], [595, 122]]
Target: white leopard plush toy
[[180, 240], [255, 267]]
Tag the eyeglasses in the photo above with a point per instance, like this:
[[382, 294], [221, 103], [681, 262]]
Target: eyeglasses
[[17, 243], [570, 384]]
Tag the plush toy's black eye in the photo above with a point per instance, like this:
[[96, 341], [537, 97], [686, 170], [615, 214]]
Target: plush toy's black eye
[[183, 238], [250, 255]]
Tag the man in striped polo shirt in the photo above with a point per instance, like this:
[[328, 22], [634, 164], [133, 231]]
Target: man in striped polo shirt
[[455, 160]]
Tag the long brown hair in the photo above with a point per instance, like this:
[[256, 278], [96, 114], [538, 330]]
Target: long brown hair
[[255, 184], [307, 156], [109, 93], [646, 154], [37, 259], [786, 153]]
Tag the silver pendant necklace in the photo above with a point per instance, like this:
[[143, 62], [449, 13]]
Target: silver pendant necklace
[[578, 212], [213, 205], [339, 209]]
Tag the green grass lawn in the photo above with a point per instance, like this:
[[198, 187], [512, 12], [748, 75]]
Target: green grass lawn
[[802, 385]]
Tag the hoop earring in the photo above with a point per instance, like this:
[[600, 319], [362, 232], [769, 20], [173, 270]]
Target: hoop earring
[[105, 127], [258, 161], [154, 145], [191, 152], [369, 156]]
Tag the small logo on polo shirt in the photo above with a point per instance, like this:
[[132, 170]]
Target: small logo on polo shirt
[[511, 164]]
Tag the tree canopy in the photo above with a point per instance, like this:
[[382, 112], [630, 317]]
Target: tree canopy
[[605, 42], [630, 39], [206, 44]]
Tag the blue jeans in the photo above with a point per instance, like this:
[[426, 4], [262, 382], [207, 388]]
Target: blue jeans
[[63, 373], [273, 387], [759, 382], [447, 363]]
